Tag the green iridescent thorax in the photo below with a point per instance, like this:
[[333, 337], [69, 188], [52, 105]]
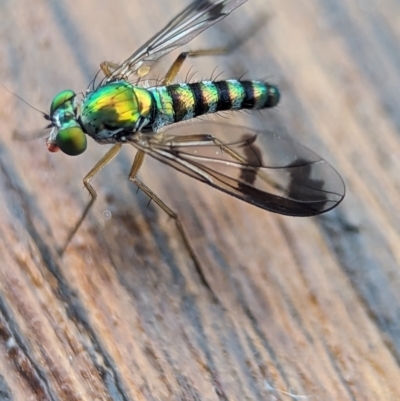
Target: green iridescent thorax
[[114, 106]]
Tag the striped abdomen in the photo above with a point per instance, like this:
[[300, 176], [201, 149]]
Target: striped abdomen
[[181, 102]]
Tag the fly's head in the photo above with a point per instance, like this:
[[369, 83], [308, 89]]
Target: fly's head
[[67, 134]]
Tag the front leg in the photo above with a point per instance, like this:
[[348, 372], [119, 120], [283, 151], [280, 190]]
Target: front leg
[[93, 194]]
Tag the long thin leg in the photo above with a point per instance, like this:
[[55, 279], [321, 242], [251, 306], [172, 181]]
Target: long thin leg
[[177, 64], [241, 159], [217, 51], [93, 194], [137, 163], [107, 66], [202, 139]]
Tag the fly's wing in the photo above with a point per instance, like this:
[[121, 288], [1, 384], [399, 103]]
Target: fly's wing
[[262, 168], [193, 20]]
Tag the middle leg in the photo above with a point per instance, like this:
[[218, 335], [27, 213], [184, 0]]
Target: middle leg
[[137, 163]]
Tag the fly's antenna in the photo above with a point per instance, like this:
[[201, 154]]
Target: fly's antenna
[[45, 115]]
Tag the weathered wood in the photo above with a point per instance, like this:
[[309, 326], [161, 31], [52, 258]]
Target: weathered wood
[[305, 309]]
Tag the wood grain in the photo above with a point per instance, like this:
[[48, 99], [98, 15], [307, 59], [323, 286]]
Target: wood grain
[[301, 309]]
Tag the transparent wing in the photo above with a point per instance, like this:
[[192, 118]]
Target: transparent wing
[[194, 19], [259, 167]]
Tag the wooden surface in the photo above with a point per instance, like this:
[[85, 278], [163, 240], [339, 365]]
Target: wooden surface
[[306, 309]]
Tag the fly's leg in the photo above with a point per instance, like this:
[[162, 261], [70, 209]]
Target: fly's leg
[[202, 139], [177, 64], [107, 67], [137, 163], [93, 194], [241, 159], [217, 51]]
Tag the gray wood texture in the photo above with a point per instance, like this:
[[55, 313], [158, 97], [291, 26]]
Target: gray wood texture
[[302, 309]]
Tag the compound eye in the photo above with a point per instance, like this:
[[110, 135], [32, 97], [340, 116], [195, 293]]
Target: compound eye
[[72, 141], [61, 99]]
